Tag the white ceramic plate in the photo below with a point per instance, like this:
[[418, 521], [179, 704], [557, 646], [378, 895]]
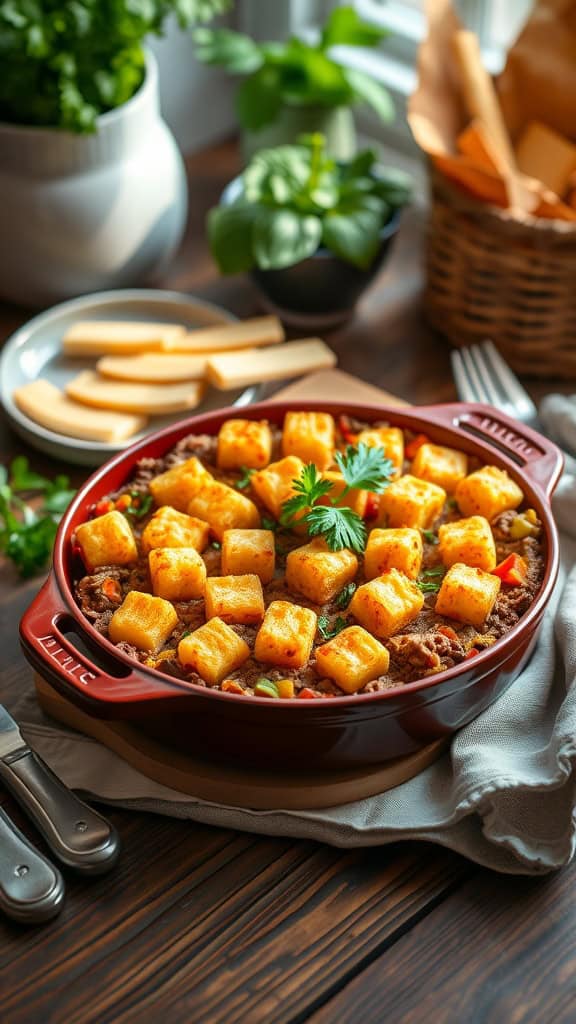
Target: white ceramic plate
[[34, 350]]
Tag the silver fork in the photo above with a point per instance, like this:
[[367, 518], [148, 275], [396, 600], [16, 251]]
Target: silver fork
[[481, 375]]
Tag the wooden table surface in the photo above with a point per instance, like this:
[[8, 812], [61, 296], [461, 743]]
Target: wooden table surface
[[199, 924]]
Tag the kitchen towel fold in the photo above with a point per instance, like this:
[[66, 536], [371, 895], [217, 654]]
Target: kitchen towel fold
[[504, 795]]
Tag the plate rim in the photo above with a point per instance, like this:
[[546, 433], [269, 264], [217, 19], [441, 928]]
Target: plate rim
[[104, 298]]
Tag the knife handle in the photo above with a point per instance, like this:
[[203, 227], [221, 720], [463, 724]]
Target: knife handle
[[77, 835], [31, 888]]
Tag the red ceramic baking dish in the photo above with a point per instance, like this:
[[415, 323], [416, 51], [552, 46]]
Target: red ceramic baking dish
[[350, 731]]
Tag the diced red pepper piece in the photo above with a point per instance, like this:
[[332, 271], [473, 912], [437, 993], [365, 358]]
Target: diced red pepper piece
[[416, 443], [471, 653], [232, 686], [104, 506], [307, 694], [448, 631], [124, 502], [344, 428], [513, 570], [372, 506]]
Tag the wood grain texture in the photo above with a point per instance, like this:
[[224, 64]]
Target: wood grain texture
[[500, 950], [199, 925]]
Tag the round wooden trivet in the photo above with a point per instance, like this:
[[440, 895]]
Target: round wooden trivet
[[236, 786]]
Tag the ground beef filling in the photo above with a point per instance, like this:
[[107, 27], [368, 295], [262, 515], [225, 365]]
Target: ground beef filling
[[429, 644]]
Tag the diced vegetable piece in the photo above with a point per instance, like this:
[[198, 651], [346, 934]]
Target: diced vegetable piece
[[232, 686], [285, 688], [266, 688], [319, 573], [512, 571], [415, 444], [525, 524], [224, 508], [372, 505], [399, 548], [244, 443], [391, 439], [275, 484], [177, 574], [248, 551], [487, 492], [235, 599], [468, 540], [107, 540], [387, 604], [171, 529], [213, 651], [411, 502], [143, 620], [307, 694], [177, 486], [286, 635], [442, 466], [355, 499], [467, 594], [310, 436], [352, 659]]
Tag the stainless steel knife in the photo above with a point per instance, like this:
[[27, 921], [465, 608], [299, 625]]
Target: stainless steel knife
[[31, 888], [77, 835]]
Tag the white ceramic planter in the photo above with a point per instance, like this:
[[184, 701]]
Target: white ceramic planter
[[83, 213]]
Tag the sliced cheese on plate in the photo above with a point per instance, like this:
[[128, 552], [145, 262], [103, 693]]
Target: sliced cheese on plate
[[261, 330], [153, 367], [90, 388], [119, 337], [45, 404], [235, 369]]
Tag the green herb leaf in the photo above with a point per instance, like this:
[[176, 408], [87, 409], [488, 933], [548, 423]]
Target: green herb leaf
[[327, 631], [308, 488], [430, 536], [365, 467], [27, 533], [430, 579], [216, 545], [346, 27], [369, 91], [234, 51], [230, 233], [145, 502], [353, 231], [23, 479], [345, 596], [270, 524], [340, 527], [283, 237], [244, 480]]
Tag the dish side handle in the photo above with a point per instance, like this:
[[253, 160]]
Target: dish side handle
[[55, 656], [539, 459]]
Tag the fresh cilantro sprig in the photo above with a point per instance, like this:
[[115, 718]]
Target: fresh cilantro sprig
[[345, 595], [430, 579], [244, 481], [327, 631], [27, 531], [362, 468]]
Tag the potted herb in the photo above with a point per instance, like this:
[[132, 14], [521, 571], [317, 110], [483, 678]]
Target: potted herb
[[93, 187], [313, 232], [294, 87]]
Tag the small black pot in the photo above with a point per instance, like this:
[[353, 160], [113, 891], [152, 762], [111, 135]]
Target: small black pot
[[323, 290]]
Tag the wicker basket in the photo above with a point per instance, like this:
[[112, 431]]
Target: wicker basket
[[489, 276]]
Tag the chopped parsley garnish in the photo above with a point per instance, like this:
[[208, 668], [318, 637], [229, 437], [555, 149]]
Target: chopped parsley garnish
[[270, 524], [345, 596], [363, 468], [141, 504], [430, 536], [244, 480], [327, 631], [430, 579], [216, 545]]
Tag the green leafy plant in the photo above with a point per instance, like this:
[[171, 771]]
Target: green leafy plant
[[27, 531], [296, 73], [328, 631], [294, 199], [64, 62], [363, 468]]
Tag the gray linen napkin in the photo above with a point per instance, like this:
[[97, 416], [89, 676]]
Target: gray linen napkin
[[504, 795]]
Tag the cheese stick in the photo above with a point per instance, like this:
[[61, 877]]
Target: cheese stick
[[151, 399], [48, 406], [235, 369], [262, 330], [153, 367], [118, 337]]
